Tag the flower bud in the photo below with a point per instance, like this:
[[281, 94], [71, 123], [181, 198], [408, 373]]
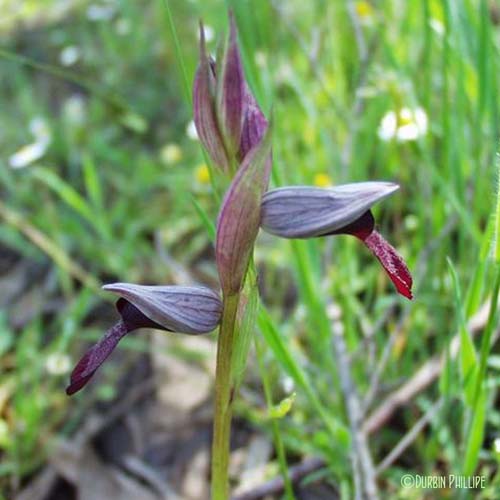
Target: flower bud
[[254, 124], [205, 118], [228, 119], [230, 92], [191, 310]]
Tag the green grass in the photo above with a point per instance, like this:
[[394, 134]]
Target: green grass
[[89, 211]]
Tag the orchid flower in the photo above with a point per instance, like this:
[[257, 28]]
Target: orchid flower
[[307, 212], [181, 309]]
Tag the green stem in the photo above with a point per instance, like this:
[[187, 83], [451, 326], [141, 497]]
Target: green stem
[[223, 399]]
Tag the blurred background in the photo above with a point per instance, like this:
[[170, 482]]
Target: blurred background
[[102, 179]]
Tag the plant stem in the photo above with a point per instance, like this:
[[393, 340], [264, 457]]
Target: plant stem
[[224, 389]]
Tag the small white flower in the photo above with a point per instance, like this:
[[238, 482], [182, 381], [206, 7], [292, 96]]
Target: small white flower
[[260, 59], [39, 128], [300, 312], [288, 384], [74, 109], [27, 155], [403, 125], [171, 153], [122, 26], [58, 363], [334, 312], [437, 26], [191, 131], [284, 73], [338, 328], [69, 55], [209, 32], [103, 12], [31, 152], [496, 445]]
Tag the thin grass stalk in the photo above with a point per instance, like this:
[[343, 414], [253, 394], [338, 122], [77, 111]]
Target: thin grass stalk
[[278, 441], [178, 53]]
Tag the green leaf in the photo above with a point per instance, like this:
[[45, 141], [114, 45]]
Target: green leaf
[[6, 335], [467, 355], [65, 191], [276, 343], [476, 434], [134, 122], [92, 182], [245, 325], [73, 198], [283, 407], [496, 216], [205, 219], [445, 385]]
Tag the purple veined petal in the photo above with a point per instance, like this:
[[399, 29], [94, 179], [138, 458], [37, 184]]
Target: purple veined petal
[[306, 211], [254, 124], [230, 92], [191, 310], [132, 319], [182, 309], [239, 217], [204, 108]]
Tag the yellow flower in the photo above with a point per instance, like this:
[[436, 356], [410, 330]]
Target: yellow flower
[[170, 154], [399, 345], [309, 134], [202, 174], [5, 433], [322, 180], [364, 9]]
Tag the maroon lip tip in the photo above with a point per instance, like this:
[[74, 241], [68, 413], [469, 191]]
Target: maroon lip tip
[[71, 389], [77, 383]]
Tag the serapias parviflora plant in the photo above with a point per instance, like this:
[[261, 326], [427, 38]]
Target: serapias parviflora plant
[[237, 138]]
